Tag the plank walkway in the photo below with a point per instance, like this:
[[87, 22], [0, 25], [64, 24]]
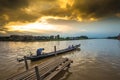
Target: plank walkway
[[44, 71]]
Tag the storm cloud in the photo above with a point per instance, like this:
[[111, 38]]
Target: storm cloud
[[28, 10], [10, 10], [97, 8]]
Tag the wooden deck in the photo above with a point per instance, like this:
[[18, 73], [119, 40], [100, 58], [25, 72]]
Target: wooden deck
[[44, 71]]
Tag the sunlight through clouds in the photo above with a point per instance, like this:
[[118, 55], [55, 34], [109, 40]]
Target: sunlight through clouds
[[62, 16], [41, 25]]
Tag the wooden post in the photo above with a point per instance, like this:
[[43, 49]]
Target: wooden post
[[37, 73], [69, 65], [55, 50], [26, 64]]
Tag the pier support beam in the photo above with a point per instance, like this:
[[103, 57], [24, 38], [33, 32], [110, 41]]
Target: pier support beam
[[37, 73], [26, 64], [55, 50]]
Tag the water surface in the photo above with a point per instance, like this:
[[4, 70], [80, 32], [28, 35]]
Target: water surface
[[99, 59]]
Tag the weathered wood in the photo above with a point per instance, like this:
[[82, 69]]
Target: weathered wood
[[42, 56], [44, 71], [31, 73], [55, 50], [26, 64], [37, 73], [52, 67], [59, 69]]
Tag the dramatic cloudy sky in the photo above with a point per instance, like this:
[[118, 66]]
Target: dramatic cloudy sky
[[94, 18]]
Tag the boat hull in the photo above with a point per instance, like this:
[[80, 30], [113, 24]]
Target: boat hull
[[35, 58]]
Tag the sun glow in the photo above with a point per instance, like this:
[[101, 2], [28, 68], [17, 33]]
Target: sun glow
[[32, 27], [36, 27], [39, 26]]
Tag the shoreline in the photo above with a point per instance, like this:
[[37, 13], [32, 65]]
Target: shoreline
[[49, 40]]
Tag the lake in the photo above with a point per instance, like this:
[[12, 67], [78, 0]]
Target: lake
[[98, 59]]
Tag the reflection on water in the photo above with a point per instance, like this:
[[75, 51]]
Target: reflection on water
[[97, 60]]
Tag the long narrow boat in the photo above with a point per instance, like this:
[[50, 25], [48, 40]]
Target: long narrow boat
[[35, 57]]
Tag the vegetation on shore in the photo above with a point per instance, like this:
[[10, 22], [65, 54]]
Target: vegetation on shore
[[46, 38], [39, 38]]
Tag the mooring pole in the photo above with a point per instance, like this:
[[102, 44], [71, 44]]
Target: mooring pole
[[55, 50], [26, 64], [37, 73]]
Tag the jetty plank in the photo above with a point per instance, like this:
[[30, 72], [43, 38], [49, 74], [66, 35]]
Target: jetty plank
[[59, 69], [45, 71]]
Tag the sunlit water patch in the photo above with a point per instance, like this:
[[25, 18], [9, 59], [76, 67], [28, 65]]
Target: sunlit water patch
[[97, 59]]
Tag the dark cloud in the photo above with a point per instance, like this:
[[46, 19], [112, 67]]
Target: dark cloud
[[3, 29], [12, 9], [97, 8], [15, 10], [13, 4], [85, 9], [62, 22]]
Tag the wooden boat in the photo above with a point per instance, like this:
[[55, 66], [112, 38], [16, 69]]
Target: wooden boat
[[35, 57], [118, 37]]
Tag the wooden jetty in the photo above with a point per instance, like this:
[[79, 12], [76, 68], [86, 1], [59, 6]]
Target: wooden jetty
[[55, 52], [44, 71]]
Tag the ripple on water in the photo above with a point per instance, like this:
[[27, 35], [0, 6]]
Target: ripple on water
[[98, 59]]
